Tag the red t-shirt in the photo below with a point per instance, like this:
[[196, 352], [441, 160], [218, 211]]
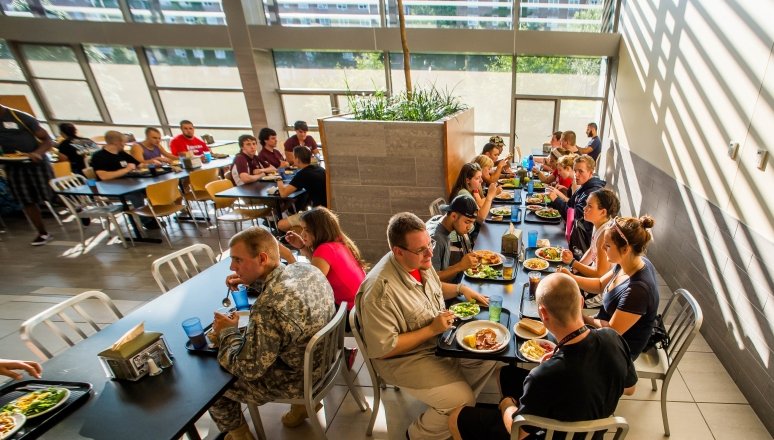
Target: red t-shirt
[[416, 274], [345, 273], [567, 183], [293, 142], [181, 144]]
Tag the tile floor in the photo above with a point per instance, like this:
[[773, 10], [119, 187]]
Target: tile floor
[[704, 402]]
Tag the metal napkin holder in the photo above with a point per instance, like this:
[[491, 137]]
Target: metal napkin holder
[[130, 362]]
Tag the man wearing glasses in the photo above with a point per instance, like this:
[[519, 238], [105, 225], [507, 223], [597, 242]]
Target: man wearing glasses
[[401, 305]]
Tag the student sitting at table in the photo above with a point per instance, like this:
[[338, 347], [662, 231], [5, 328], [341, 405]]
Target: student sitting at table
[[568, 142], [469, 183], [493, 151], [310, 178], [301, 138], [459, 217], [583, 379], [246, 167], [629, 290], [487, 174], [554, 142], [187, 141], [8, 368], [75, 149], [269, 155], [402, 311], [601, 207], [562, 174], [294, 302], [150, 150]]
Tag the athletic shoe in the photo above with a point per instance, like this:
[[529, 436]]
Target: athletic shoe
[[41, 239]]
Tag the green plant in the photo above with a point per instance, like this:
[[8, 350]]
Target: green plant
[[425, 104]]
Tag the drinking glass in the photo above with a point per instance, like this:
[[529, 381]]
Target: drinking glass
[[508, 264], [532, 239], [240, 298], [193, 329], [534, 280], [495, 307]]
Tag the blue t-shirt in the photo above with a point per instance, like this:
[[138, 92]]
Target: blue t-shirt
[[596, 147], [638, 295]]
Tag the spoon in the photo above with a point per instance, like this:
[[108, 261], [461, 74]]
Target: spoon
[[227, 301]]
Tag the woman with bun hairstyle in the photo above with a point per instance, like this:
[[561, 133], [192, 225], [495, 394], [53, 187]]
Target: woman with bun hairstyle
[[629, 290], [601, 207]]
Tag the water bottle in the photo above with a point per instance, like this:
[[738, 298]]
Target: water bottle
[[531, 163], [525, 163], [531, 186]]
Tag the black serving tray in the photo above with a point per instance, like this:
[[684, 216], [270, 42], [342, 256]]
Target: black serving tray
[[159, 172], [453, 349], [206, 350], [35, 427], [506, 219], [530, 217], [492, 280], [528, 306], [530, 253], [516, 199]]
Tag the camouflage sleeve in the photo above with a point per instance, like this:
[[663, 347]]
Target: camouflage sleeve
[[248, 356]]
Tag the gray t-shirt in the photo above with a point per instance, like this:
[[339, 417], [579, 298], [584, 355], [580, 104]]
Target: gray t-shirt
[[17, 134], [441, 253]]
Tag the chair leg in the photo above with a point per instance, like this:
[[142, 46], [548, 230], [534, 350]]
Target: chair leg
[[653, 384], [316, 419], [664, 415], [356, 393], [374, 410], [255, 416], [163, 231], [112, 221], [53, 212]]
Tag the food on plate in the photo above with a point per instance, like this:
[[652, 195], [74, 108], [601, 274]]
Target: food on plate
[[533, 200], [536, 264], [535, 207], [501, 210], [15, 155], [36, 402], [534, 349], [488, 257], [484, 271], [484, 339], [543, 242], [550, 253], [497, 218], [219, 155], [7, 424], [532, 326], [465, 310], [548, 213], [538, 185], [505, 195]]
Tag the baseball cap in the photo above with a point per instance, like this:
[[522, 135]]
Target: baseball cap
[[300, 125], [464, 205]]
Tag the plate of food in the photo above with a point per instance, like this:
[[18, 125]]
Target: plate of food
[[534, 200], [489, 258], [10, 423], [16, 156], [507, 183], [501, 210], [38, 402], [538, 185], [271, 178], [535, 207], [553, 254], [219, 155], [549, 213], [536, 264], [465, 310], [483, 336], [535, 349], [530, 329], [505, 195], [484, 272]]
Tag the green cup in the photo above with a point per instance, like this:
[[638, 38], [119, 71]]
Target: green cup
[[516, 181]]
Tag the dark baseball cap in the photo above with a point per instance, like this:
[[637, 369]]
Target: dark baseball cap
[[464, 205], [300, 125]]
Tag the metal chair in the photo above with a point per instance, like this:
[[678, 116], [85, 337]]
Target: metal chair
[[590, 427], [228, 213], [60, 310], [197, 188], [435, 206], [86, 207], [180, 269], [163, 200], [682, 327], [327, 348]]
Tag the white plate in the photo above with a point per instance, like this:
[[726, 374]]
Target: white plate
[[530, 357], [60, 403], [499, 210], [19, 420], [501, 256], [465, 318], [505, 195], [524, 334], [244, 318], [540, 250], [503, 335], [271, 178]]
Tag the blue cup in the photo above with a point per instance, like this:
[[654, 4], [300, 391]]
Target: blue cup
[[240, 298], [495, 307], [530, 186], [91, 182], [193, 329], [207, 156], [532, 239]]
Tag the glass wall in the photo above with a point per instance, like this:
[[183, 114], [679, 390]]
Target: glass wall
[[564, 15], [330, 70], [12, 80], [561, 76], [103, 10], [337, 13], [178, 12], [466, 14]]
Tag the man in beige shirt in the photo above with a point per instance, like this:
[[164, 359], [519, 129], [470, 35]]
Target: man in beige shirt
[[401, 305]]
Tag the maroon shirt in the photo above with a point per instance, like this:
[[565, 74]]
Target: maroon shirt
[[293, 142], [244, 164], [270, 157]]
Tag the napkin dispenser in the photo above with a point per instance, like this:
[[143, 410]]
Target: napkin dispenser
[[511, 243], [130, 361], [191, 163]]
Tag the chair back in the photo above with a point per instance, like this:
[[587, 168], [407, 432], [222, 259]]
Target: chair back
[[435, 206], [181, 265], [220, 186], [682, 318], [72, 202], [200, 178], [357, 332], [618, 424], [90, 173], [325, 351], [73, 313], [164, 193], [62, 169]]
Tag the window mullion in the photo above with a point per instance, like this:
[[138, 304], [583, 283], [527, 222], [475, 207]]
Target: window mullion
[[142, 59], [33, 83], [91, 81]]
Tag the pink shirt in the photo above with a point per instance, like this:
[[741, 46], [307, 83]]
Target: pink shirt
[[345, 274]]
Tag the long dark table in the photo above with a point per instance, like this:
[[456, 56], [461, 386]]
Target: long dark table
[[158, 407]]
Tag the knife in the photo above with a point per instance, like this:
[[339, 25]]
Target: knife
[[447, 338]]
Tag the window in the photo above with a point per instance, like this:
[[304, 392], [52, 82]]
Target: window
[[324, 14], [210, 13], [461, 14], [12, 80], [330, 70], [64, 10], [322, 6], [122, 84], [568, 76], [340, 6], [569, 15]]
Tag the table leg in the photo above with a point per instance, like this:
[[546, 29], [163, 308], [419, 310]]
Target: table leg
[[137, 231], [192, 433]]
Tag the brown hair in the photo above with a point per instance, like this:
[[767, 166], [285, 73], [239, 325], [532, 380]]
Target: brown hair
[[400, 225], [559, 295], [467, 172], [588, 160], [257, 240], [633, 232], [325, 228], [607, 200], [569, 136], [557, 135]]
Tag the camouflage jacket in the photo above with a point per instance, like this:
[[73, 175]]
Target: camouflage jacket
[[295, 302]]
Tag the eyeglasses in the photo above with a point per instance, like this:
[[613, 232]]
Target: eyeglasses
[[422, 251], [619, 230]]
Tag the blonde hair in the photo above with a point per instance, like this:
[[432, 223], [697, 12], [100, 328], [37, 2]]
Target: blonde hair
[[484, 161], [567, 161]]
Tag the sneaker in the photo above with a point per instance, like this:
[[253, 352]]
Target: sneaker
[[351, 355], [41, 239], [296, 416], [594, 302]]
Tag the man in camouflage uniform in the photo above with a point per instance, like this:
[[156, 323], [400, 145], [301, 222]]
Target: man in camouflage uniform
[[295, 302]]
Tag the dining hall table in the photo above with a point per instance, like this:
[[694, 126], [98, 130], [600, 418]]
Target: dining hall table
[[262, 191], [155, 407]]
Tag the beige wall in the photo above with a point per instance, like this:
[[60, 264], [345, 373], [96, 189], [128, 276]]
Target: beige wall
[[693, 76]]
